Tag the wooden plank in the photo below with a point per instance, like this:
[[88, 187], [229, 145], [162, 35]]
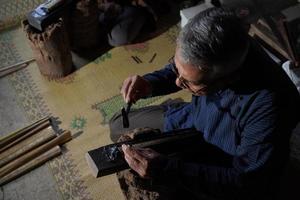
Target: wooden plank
[[53, 152], [59, 140], [269, 41], [26, 145]]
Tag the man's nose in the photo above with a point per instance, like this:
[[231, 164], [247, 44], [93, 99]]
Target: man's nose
[[179, 83]]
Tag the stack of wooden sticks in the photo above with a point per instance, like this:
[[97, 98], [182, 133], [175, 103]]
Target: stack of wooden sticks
[[29, 147]]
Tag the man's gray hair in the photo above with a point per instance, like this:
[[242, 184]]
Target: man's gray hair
[[215, 40]]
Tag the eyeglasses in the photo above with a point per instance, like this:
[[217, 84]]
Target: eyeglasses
[[194, 88]]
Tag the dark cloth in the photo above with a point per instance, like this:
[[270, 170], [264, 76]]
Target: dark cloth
[[151, 117], [250, 121]]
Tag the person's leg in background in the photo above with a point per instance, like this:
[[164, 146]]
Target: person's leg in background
[[130, 23]]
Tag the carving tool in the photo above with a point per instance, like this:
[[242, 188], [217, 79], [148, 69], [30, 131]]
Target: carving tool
[[124, 112]]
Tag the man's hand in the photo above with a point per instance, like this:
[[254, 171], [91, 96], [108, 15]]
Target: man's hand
[[134, 88], [145, 162]]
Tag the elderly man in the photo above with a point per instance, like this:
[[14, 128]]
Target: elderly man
[[243, 105]]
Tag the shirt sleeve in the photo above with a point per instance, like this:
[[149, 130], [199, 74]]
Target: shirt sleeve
[[162, 81], [253, 154], [178, 116]]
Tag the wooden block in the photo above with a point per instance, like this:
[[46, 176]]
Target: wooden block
[[102, 163], [109, 159]]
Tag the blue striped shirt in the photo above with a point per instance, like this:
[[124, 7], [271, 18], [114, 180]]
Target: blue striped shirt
[[251, 120]]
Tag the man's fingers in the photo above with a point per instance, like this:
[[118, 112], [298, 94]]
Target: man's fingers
[[131, 92], [130, 152], [133, 163], [134, 88], [140, 159], [141, 154], [136, 166], [125, 87], [128, 90], [147, 152]]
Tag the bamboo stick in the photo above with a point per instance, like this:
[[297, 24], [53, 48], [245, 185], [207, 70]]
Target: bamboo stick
[[16, 65], [26, 145], [12, 136], [25, 135], [55, 151], [61, 139]]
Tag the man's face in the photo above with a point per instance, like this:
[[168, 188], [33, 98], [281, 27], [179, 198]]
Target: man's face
[[189, 77]]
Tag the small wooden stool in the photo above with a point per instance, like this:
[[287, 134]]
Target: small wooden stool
[[51, 49]]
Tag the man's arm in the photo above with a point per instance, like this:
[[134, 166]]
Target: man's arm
[[153, 84], [162, 81]]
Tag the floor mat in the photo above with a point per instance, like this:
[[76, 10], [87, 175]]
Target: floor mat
[[83, 102], [13, 11]]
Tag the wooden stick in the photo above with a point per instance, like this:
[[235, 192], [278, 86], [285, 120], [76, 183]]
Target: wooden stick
[[27, 145], [138, 59], [151, 60], [12, 136], [134, 58], [16, 65], [11, 70], [55, 151], [61, 139], [25, 135]]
